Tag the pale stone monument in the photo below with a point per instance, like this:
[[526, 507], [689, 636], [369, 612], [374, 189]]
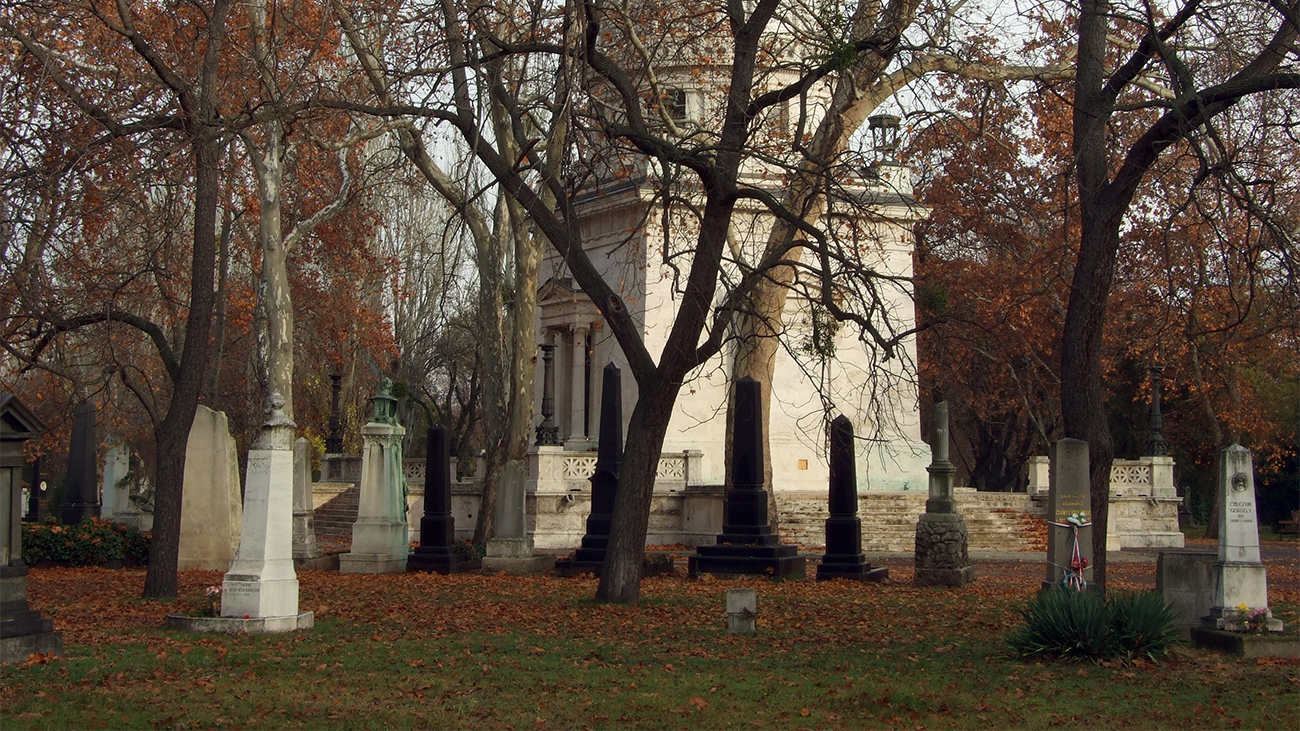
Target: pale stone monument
[[1068, 499], [511, 549], [306, 553], [23, 630], [742, 611], [211, 507], [261, 584], [1240, 580], [380, 533], [115, 495], [941, 558]]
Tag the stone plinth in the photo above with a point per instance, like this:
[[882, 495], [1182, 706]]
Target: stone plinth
[[1247, 646], [235, 625], [379, 535], [211, 508], [942, 558]]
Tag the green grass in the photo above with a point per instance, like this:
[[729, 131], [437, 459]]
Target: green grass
[[497, 652]]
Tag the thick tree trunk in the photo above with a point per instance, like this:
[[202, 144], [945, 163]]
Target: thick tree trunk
[[172, 435], [275, 269]]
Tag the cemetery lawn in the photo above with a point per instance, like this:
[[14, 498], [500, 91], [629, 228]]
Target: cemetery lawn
[[472, 651]]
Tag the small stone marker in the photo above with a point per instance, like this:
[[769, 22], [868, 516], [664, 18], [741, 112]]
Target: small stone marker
[[380, 533], [747, 544], [23, 630], [1240, 579], [942, 558], [1068, 496], [307, 555], [260, 592], [742, 611], [81, 496], [844, 558], [437, 551], [211, 507]]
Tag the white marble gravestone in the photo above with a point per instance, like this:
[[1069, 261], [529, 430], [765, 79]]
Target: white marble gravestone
[[1239, 575], [211, 508], [261, 584], [115, 498], [380, 535]]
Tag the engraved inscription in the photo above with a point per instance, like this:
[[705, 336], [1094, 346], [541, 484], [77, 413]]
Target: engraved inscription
[[259, 466]]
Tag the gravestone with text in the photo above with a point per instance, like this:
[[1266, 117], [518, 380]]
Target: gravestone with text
[[1069, 530], [941, 558], [844, 558], [81, 494], [260, 592], [212, 508], [380, 533], [747, 544], [437, 550], [1240, 579]]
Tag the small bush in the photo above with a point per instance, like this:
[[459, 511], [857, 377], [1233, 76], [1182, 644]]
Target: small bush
[[91, 542], [1071, 624], [469, 550]]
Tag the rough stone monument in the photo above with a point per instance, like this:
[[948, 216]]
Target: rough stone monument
[[1240, 580], [590, 557], [260, 591], [941, 557], [211, 506], [380, 533], [307, 555], [23, 630], [511, 550], [81, 496], [1069, 529], [844, 558], [747, 544], [437, 549]]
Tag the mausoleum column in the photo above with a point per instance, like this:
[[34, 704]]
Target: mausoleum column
[[578, 396]]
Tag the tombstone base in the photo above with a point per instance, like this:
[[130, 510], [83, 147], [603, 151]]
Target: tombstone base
[[581, 563], [942, 558], [515, 565], [19, 647], [235, 625], [1236, 584], [371, 563], [1235, 620], [245, 595], [779, 561], [851, 571], [1244, 645], [23, 630], [440, 560], [320, 562]]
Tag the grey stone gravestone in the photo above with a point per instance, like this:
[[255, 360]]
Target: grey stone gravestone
[[81, 495], [742, 611], [116, 488], [1068, 496], [1240, 579], [437, 549], [23, 630], [307, 555], [511, 549], [212, 508], [747, 544], [844, 558], [941, 558]]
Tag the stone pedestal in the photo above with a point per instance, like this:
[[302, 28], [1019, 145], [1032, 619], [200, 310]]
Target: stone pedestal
[[23, 630], [941, 557], [747, 544], [511, 551], [211, 507], [1240, 579], [379, 535]]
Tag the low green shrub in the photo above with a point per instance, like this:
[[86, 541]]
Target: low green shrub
[[91, 542], [469, 550], [1071, 624]]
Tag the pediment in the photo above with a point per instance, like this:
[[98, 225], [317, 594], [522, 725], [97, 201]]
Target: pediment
[[17, 421]]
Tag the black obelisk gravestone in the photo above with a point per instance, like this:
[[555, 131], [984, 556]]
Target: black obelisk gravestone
[[747, 544], [437, 550], [81, 496], [844, 558], [604, 481]]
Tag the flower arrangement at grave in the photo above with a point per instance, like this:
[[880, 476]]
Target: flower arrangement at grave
[[1074, 576], [213, 595], [1252, 621]]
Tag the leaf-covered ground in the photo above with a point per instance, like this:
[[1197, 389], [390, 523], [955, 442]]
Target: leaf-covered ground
[[473, 651]]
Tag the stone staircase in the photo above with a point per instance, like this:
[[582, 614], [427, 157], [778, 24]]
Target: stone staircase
[[333, 520]]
